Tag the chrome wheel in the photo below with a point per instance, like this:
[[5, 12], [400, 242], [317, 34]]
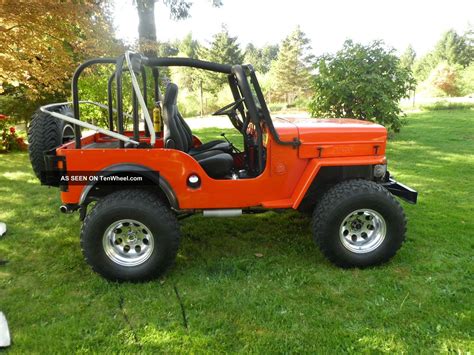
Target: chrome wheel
[[128, 242], [362, 231]]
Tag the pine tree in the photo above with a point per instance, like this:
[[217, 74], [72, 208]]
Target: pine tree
[[224, 49], [261, 58], [187, 78], [454, 49], [291, 70], [408, 57]]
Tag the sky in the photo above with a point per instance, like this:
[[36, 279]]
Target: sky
[[326, 23]]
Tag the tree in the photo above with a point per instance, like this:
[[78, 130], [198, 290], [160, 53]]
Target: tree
[[190, 79], [423, 66], [361, 81], [179, 9], [269, 55], [41, 42], [187, 78], [291, 70], [253, 56], [223, 49], [454, 49], [407, 59], [40, 45], [261, 58], [188, 46]]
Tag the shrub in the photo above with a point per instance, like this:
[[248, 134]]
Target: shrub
[[445, 77], [361, 81], [9, 139]]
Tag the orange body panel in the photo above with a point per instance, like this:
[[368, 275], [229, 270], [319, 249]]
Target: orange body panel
[[288, 172]]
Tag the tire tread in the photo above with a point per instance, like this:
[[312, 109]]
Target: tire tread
[[134, 198], [328, 204]]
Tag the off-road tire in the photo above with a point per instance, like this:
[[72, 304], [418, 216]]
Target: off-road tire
[[338, 203], [141, 206], [45, 133]]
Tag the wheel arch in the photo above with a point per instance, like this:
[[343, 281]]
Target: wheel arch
[[327, 176], [156, 183]]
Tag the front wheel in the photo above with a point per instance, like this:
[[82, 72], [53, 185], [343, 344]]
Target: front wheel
[[130, 235], [358, 223]]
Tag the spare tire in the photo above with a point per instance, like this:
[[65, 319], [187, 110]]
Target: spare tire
[[45, 133]]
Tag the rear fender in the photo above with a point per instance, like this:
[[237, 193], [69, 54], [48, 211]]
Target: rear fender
[[138, 170]]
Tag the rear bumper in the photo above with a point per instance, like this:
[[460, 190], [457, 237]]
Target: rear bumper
[[404, 192]]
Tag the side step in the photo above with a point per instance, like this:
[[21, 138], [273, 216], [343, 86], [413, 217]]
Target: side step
[[222, 213]]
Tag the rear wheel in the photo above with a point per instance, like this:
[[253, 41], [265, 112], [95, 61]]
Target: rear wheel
[[130, 235], [358, 223], [45, 133]]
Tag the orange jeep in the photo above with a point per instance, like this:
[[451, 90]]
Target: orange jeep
[[144, 180]]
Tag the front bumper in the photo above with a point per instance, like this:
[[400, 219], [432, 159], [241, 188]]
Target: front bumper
[[404, 192]]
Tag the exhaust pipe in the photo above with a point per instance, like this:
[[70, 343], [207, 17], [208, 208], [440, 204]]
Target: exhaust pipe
[[64, 209], [222, 213], [68, 208]]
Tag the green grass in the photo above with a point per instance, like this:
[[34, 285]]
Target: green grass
[[446, 105], [289, 300]]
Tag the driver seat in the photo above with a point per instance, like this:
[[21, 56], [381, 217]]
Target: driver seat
[[187, 134], [216, 163], [218, 144]]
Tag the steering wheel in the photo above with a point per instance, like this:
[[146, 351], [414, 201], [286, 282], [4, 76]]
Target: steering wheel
[[228, 109]]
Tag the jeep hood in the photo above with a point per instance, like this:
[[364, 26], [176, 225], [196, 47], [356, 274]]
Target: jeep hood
[[338, 137]]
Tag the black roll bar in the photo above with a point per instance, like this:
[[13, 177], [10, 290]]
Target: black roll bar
[[110, 96], [238, 80], [75, 91], [187, 62], [118, 80], [251, 108], [266, 113], [110, 99]]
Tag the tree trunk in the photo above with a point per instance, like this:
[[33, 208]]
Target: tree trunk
[[202, 99], [146, 26]]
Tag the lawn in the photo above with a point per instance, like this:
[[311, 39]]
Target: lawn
[[255, 283]]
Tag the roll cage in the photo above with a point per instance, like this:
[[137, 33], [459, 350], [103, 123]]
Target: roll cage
[[241, 78]]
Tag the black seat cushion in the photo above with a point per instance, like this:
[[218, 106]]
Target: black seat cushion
[[216, 163], [213, 145]]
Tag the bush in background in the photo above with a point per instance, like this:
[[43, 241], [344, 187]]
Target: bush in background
[[361, 81], [445, 78], [9, 138]]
